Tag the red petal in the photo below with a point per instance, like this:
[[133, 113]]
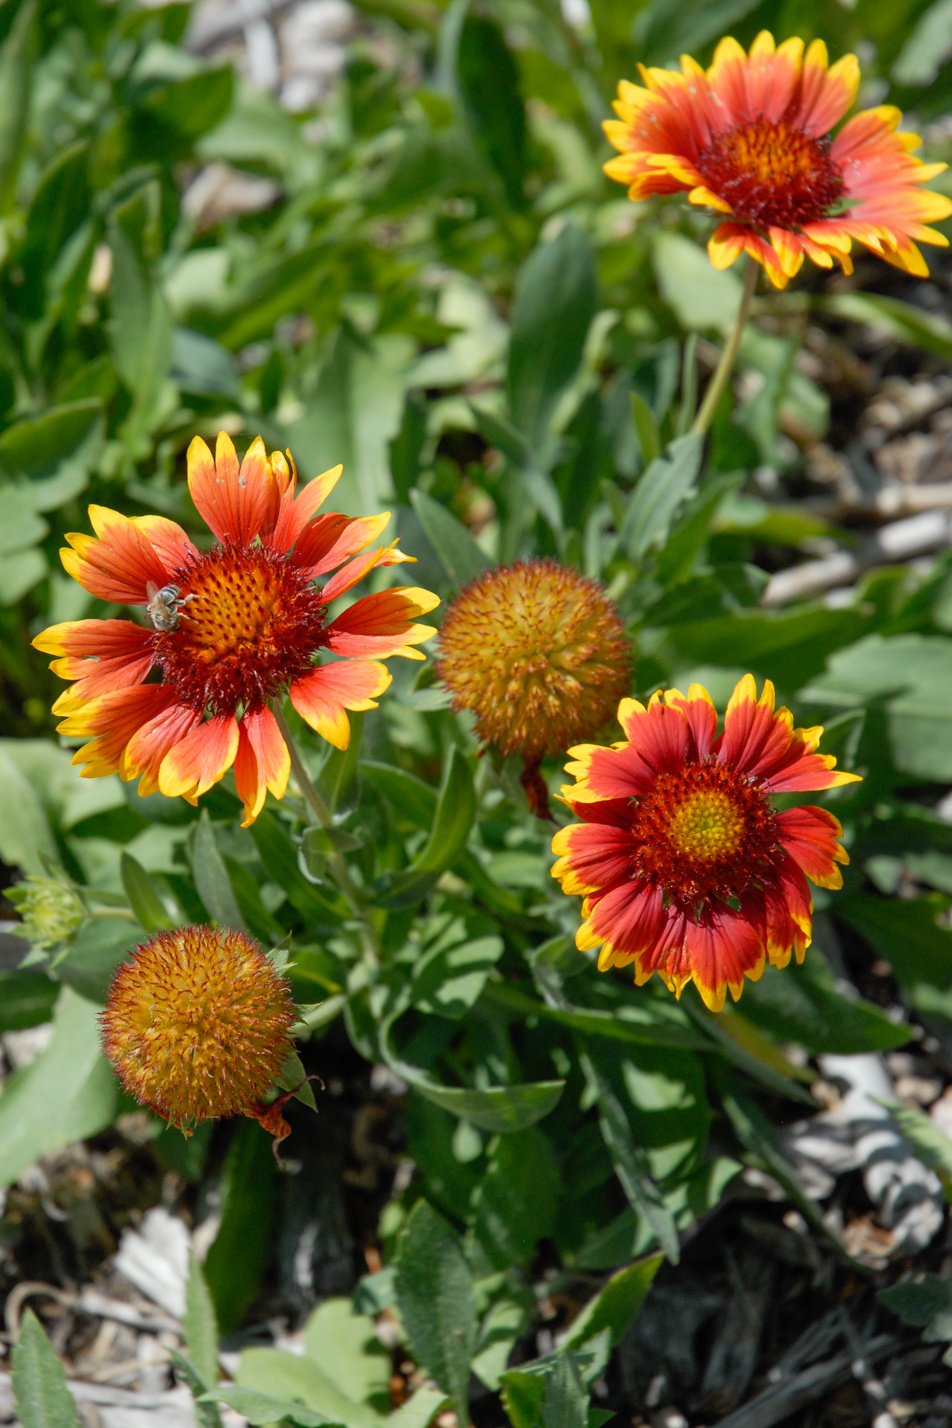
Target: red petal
[[168, 539], [593, 855], [381, 625], [233, 503], [323, 696], [296, 510], [118, 563], [720, 950], [114, 719], [200, 759], [630, 918], [262, 762], [101, 655], [150, 744], [809, 835]]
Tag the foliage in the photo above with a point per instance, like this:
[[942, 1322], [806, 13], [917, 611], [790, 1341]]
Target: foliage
[[445, 296]]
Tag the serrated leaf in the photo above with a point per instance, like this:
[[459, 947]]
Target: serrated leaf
[[435, 1298], [452, 543], [555, 302], [39, 1384]]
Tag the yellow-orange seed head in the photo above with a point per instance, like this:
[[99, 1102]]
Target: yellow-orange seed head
[[197, 1025], [538, 654]]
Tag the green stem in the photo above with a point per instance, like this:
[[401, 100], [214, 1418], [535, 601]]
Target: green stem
[[724, 367], [321, 812]]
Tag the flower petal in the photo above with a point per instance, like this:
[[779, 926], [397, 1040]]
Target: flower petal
[[100, 655], [810, 836], [381, 625], [199, 760], [116, 564], [262, 763], [234, 502], [323, 696]]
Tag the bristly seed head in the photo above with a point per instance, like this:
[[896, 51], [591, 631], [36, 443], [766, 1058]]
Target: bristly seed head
[[197, 1024]]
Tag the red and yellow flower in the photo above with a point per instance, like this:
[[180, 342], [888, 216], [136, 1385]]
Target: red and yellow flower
[[197, 1025], [685, 866], [752, 137], [178, 701]]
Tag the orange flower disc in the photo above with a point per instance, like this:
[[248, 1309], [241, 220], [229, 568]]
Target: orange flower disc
[[197, 1024], [537, 653], [182, 699], [755, 138], [685, 866]]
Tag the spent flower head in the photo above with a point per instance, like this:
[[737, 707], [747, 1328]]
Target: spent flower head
[[230, 629], [754, 137], [539, 655], [197, 1025], [685, 866]]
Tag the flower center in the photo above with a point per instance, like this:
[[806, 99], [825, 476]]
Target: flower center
[[248, 623], [772, 174], [703, 832], [707, 827]]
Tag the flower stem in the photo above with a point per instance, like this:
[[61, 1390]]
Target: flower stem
[[321, 812], [718, 382]]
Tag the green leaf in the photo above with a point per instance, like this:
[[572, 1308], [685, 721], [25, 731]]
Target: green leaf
[[55, 452], [912, 676], [25, 834], [449, 977], [565, 1401], [488, 80], [346, 1346], [141, 325], [805, 1007], [212, 882], [700, 296], [927, 1305], [900, 320], [17, 61], [144, 898], [419, 1410], [238, 1255], [190, 105], [452, 543], [615, 1305], [932, 1144], [915, 939], [69, 1092], [26, 999], [661, 491], [514, 1205], [292, 1377], [629, 1160], [261, 1408], [39, 1384], [201, 1326], [555, 302], [455, 811], [435, 1298]]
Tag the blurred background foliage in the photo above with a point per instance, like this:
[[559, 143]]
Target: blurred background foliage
[[429, 279]]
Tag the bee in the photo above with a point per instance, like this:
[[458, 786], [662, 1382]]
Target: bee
[[164, 606]]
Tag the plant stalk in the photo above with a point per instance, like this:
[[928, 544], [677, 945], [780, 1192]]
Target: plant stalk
[[722, 372]]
